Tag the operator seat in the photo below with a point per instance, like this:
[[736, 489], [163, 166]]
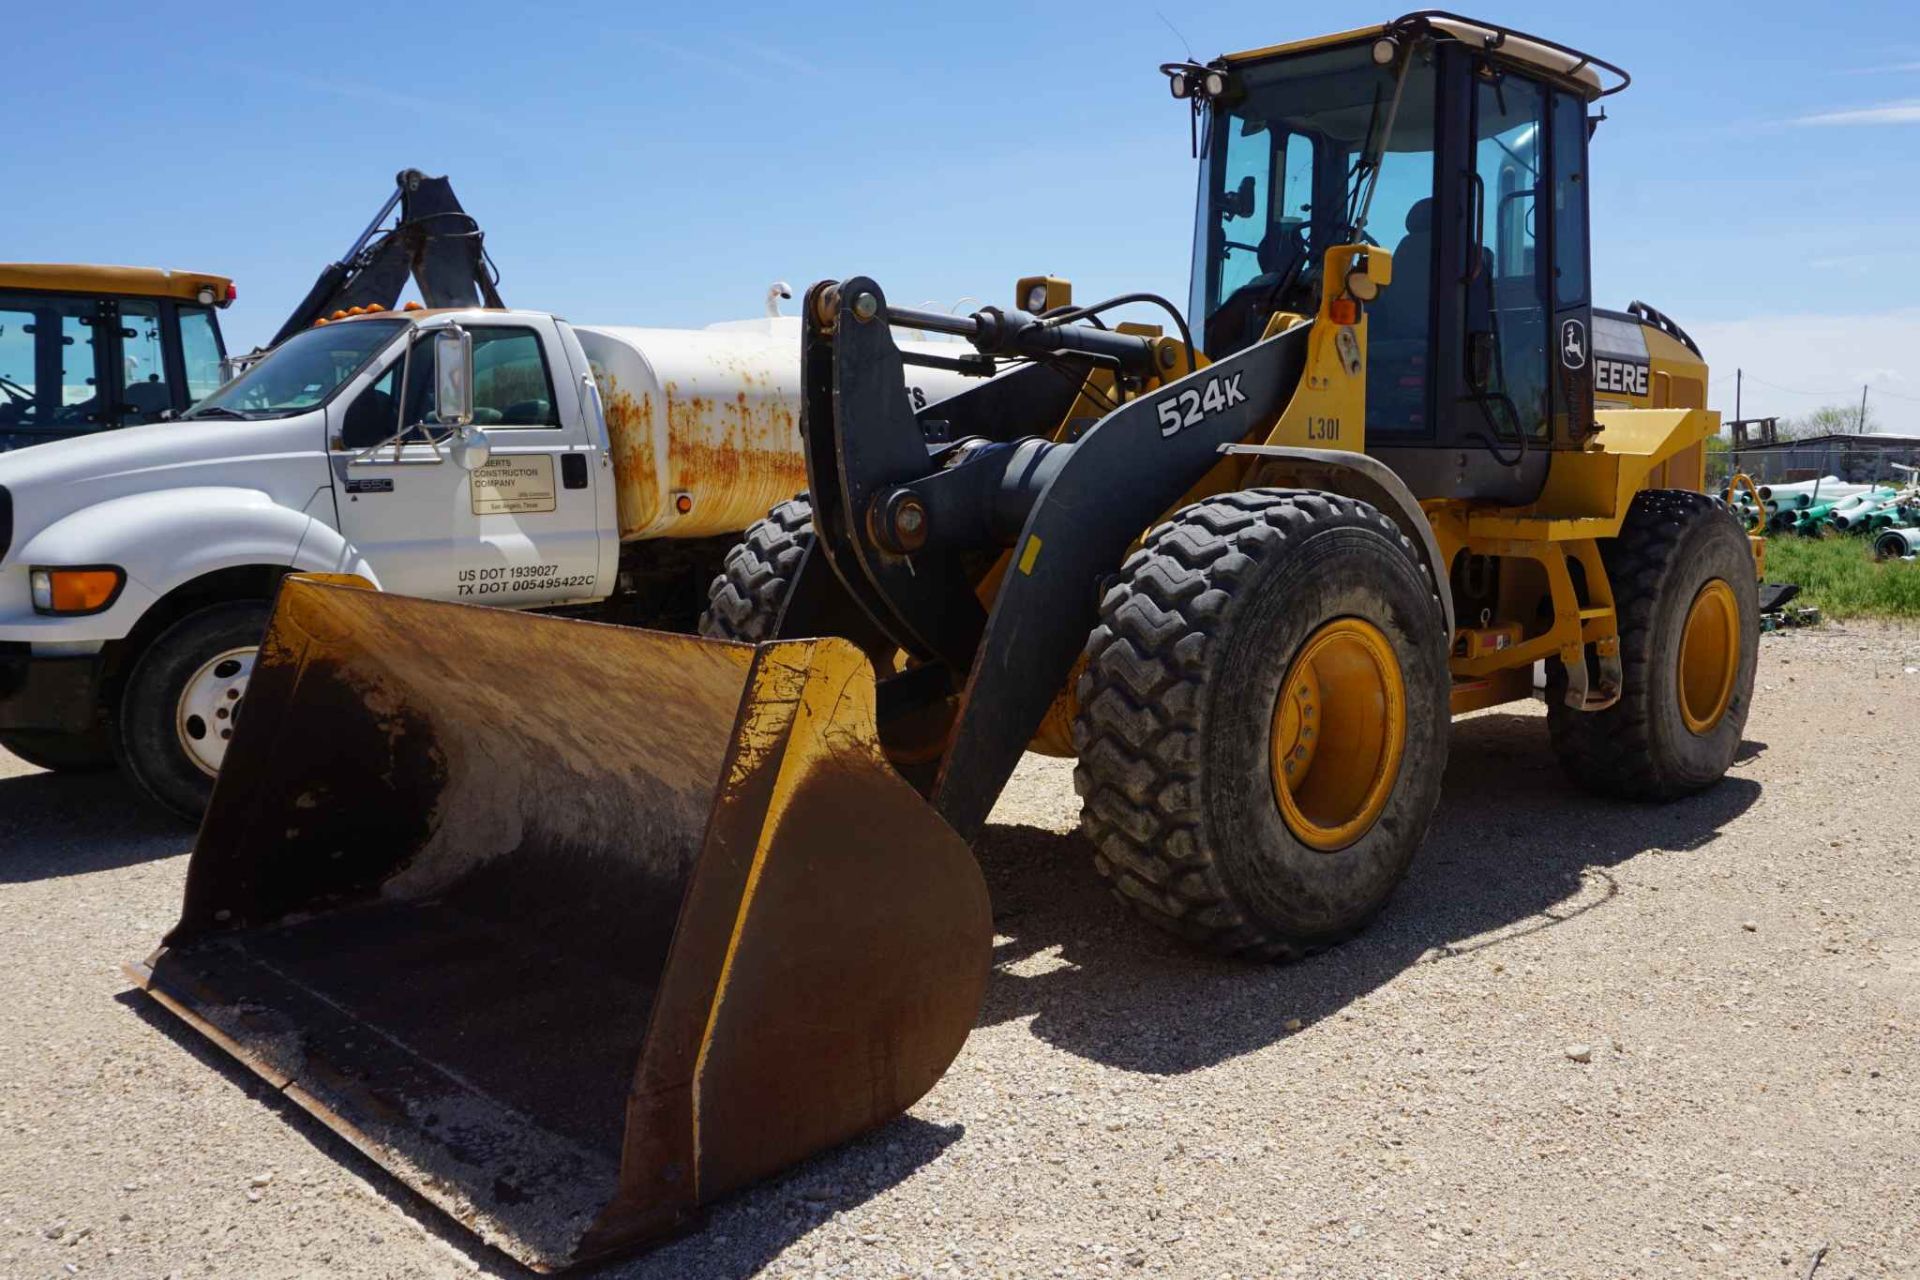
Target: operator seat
[[1402, 309], [1398, 322]]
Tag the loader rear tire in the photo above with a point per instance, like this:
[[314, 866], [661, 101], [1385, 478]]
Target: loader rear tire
[[1687, 597], [744, 601], [1190, 709]]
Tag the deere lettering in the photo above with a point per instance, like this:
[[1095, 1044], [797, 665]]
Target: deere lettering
[[1620, 377]]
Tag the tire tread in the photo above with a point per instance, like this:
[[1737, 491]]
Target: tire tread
[[1140, 695]]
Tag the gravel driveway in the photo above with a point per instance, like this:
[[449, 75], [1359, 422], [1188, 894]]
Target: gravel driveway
[[1587, 1039]]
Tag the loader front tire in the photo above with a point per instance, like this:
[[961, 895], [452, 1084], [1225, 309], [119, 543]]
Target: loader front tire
[[182, 700], [1687, 598], [745, 599], [1263, 721]]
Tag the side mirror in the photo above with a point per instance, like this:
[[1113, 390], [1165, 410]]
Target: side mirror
[[1240, 203], [470, 448], [453, 376]]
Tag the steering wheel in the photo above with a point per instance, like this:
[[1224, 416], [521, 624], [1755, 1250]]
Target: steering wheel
[[1297, 270]]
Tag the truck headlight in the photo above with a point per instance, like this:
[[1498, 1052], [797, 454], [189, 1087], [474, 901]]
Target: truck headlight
[[87, 589]]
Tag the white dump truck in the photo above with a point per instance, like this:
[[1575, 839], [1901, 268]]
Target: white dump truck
[[496, 457]]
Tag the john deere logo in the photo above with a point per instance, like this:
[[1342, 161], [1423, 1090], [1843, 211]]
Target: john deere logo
[[1573, 344]]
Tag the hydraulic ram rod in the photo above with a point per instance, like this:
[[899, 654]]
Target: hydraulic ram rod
[[1019, 333]]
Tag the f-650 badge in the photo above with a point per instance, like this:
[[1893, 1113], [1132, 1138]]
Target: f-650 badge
[[1191, 407]]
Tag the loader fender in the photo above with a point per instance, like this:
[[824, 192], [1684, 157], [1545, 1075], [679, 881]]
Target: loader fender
[[169, 537], [1356, 475], [574, 928]]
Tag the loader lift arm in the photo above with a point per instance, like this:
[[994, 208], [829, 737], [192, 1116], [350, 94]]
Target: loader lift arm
[[1054, 504], [435, 241]]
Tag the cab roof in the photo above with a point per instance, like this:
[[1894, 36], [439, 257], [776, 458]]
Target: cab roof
[[1591, 76], [138, 282]]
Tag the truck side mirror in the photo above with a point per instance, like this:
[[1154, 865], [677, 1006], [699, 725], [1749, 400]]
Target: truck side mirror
[[469, 448], [453, 376]]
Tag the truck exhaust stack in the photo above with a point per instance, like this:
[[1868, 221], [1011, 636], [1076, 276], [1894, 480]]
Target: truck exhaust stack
[[572, 928]]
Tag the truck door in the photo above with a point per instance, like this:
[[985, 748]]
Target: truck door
[[521, 530]]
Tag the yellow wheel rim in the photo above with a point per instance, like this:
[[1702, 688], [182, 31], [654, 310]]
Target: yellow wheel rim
[[1709, 657], [1339, 727]]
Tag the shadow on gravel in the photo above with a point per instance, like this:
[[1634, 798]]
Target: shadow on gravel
[[737, 1238], [66, 824], [1513, 850]]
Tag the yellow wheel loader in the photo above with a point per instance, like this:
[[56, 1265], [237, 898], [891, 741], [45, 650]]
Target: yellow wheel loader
[[576, 928]]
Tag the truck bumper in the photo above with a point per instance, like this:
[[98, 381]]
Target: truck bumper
[[55, 694]]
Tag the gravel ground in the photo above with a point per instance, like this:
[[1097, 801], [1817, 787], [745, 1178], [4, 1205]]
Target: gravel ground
[[1587, 1039]]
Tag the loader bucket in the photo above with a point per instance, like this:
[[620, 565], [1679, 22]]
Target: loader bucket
[[574, 928]]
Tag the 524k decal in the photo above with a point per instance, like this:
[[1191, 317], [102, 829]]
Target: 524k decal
[[1191, 407]]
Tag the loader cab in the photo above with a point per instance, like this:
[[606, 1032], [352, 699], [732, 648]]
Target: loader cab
[[85, 349], [1461, 148]]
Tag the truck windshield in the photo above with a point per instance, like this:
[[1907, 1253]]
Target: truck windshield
[[302, 372]]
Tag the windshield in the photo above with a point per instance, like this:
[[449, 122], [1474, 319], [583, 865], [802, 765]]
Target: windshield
[[301, 372], [1283, 181]]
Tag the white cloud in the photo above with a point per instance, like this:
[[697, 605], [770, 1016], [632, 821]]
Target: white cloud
[[1906, 111], [1795, 364]]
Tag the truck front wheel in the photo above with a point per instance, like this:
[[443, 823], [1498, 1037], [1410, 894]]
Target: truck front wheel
[[183, 700]]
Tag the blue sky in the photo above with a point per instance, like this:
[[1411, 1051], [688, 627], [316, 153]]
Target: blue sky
[[660, 164]]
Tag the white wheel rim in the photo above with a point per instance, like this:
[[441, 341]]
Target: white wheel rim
[[210, 707]]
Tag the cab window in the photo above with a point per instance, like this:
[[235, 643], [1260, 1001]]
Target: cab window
[[145, 393], [49, 368], [511, 388], [1261, 237], [373, 417], [200, 351]]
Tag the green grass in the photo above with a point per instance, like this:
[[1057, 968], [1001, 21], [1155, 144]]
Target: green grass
[[1838, 576]]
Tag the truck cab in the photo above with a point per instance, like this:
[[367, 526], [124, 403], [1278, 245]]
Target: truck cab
[[137, 568], [85, 349]]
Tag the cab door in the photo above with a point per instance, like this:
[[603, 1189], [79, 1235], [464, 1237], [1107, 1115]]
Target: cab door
[[521, 530]]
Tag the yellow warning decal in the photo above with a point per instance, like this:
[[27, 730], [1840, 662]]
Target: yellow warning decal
[[1029, 554]]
